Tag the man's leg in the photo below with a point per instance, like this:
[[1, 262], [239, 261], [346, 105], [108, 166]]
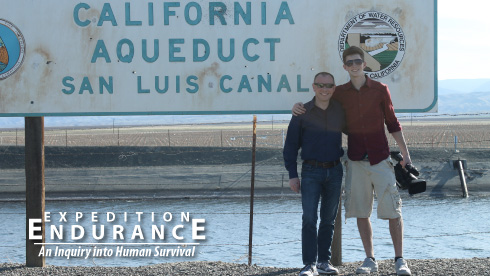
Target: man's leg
[[396, 231], [366, 233], [359, 200], [359, 204], [310, 196], [332, 187], [389, 202], [389, 207]]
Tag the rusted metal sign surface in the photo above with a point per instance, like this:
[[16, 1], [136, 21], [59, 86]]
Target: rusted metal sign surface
[[61, 58]]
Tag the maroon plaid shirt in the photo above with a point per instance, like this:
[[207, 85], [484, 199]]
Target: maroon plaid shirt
[[367, 111]]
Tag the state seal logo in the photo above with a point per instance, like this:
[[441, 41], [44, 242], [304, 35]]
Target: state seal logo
[[12, 49], [381, 38]]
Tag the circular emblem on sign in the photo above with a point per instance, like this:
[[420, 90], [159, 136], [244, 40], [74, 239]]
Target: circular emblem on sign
[[12, 49], [381, 38]]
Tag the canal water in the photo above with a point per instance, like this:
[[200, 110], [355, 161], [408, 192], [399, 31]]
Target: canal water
[[119, 232]]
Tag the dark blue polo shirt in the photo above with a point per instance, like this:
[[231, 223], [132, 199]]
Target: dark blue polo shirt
[[318, 133]]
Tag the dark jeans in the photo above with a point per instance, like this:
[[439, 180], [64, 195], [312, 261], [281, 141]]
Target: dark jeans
[[316, 182]]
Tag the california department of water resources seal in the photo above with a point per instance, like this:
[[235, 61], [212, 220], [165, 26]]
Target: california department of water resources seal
[[381, 38], [12, 49]]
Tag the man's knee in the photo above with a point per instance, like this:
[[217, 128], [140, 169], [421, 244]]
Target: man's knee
[[363, 221], [396, 222], [310, 219]]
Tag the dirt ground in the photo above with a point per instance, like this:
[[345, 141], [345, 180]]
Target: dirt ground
[[114, 156], [91, 157]]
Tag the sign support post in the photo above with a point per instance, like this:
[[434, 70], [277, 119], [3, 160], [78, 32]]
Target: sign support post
[[252, 190], [337, 237], [34, 167]]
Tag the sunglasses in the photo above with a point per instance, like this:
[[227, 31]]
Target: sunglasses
[[322, 85], [358, 61]]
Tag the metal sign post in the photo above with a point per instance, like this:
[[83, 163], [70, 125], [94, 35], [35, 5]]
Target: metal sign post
[[252, 188], [337, 237], [34, 166]]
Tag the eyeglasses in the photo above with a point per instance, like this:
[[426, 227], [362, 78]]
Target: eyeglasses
[[358, 61], [322, 85]]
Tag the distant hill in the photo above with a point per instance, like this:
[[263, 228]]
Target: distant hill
[[464, 86], [464, 96], [473, 102]]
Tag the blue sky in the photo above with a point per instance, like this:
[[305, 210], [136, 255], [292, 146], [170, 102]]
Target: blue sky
[[463, 28]]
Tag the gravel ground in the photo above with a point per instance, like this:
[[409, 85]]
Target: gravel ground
[[446, 267]]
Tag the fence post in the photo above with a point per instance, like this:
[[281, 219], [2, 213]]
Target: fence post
[[455, 143], [337, 237], [282, 182], [34, 168], [460, 166], [252, 187], [283, 138]]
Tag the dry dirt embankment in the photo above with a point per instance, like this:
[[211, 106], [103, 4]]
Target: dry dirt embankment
[[100, 157], [143, 169], [86, 157]]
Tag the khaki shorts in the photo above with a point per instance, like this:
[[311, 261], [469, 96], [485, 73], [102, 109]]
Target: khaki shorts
[[362, 180]]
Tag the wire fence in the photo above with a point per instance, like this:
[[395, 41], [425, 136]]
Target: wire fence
[[158, 137], [459, 134], [212, 157]]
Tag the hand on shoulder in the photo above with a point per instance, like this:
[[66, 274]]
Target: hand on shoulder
[[298, 109]]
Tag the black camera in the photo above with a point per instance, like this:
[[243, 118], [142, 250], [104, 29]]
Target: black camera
[[406, 178]]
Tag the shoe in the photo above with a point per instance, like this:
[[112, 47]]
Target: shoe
[[367, 267], [326, 268], [401, 267], [309, 270]]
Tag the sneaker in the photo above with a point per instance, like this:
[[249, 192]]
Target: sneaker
[[308, 270], [367, 267], [326, 268], [401, 267]]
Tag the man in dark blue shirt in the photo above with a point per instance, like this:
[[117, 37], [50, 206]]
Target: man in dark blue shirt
[[318, 133]]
